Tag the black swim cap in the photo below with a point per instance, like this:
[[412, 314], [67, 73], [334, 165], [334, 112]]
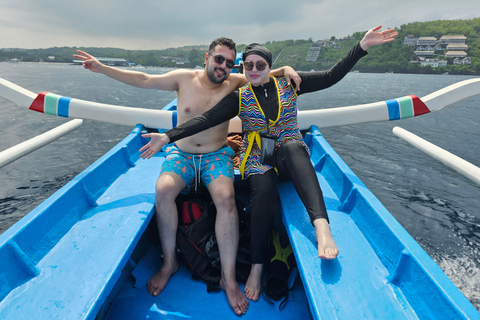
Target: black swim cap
[[260, 50]]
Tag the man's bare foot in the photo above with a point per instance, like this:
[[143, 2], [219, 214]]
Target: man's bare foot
[[253, 287], [158, 282], [327, 249], [235, 297]]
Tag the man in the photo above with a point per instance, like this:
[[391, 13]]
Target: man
[[197, 92]]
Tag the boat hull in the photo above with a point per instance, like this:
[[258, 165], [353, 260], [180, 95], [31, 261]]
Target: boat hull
[[84, 253]]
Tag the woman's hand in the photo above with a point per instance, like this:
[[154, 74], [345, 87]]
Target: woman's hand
[[374, 38], [156, 143]]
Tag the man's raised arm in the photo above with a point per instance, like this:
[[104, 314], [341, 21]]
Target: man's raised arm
[[289, 73], [167, 82]]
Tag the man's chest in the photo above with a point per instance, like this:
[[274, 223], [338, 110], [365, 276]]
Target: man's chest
[[196, 102]]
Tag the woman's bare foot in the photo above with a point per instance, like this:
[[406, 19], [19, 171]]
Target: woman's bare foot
[[253, 287], [235, 296], [157, 283], [327, 249]]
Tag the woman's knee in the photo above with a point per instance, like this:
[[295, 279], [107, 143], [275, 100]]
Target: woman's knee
[[292, 149]]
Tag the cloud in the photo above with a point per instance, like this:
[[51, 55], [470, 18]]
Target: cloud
[[153, 24]]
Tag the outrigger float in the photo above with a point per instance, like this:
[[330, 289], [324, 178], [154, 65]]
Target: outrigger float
[[85, 252]]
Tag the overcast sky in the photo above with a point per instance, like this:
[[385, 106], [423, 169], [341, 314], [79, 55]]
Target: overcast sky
[[158, 24]]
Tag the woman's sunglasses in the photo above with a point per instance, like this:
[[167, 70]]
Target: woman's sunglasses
[[260, 65], [219, 59]]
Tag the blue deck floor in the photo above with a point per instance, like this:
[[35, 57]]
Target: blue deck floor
[[184, 298]]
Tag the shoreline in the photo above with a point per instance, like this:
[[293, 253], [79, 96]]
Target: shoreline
[[353, 71]]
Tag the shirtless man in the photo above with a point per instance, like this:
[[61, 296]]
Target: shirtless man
[[197, 92]]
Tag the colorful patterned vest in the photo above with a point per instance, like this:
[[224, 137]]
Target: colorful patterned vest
[[285, 127]]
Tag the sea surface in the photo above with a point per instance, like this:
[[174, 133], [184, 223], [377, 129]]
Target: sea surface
[[438, 207]]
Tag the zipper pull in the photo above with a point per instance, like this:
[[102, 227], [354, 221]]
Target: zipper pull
[[266, 94]]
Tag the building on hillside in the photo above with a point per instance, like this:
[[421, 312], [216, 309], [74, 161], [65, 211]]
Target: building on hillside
[[425, 48], [416, 59], [455, 54], [314, 51], [424, 53], [334, 45], [466, 60], [410, 40], [181, 61], [450, 39], [434, 63], [319, 43], [427, 41], [457, 47], [108, 61], [312, 54]]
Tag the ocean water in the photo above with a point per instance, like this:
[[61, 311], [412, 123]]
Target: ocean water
[[436, 205]]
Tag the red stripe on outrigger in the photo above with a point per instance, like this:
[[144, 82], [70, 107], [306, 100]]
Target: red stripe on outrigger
[[38, 103], [419, 107]]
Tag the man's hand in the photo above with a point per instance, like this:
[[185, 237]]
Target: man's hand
[[89, 62], [291, 75], [156, 143]]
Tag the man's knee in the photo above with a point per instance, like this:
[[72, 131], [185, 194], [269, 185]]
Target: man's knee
[[168, 187], [224, 199]]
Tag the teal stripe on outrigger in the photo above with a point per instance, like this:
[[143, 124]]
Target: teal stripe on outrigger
[[406, 107], [50, 104]]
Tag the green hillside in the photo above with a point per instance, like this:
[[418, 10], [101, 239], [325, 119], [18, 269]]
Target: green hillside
[[393, 57]]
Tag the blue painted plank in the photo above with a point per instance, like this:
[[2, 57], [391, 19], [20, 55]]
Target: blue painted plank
[[381, 272], [74, 276], [353, 286]]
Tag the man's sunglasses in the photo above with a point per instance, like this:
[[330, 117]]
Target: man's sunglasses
[[219, 59], [260, 65]]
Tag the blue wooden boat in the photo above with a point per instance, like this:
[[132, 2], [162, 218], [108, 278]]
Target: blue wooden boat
[[86, 253]]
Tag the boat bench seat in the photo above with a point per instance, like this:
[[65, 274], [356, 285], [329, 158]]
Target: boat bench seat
[[94, 224], [326, 282], [381, 272]]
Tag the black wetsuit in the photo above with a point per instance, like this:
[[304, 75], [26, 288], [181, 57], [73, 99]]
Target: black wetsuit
[[292, 160]]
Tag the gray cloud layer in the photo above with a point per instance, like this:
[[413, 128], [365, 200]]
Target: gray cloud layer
[[153, 24]]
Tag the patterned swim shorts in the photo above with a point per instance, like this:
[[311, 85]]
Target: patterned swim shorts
[[193, 168]]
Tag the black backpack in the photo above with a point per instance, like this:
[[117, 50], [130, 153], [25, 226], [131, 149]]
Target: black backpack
[[196, 226], [197, 245]]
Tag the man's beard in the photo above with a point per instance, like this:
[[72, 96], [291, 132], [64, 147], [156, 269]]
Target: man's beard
[[213, 78]]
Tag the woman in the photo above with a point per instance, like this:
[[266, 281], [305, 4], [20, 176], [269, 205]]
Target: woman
[[288, 158]]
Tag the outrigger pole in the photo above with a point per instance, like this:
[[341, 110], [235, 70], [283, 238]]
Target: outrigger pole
[[452, 161], [24, 148], [395, 109]]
